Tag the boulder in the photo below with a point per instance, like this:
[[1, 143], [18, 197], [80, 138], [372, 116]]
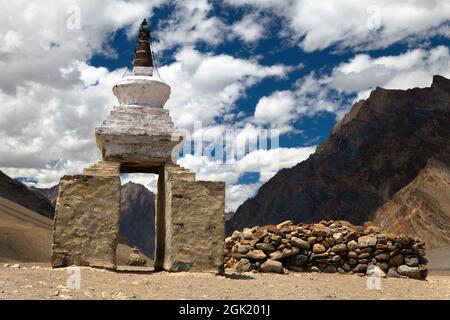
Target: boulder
[[256, 255], [367, 241], [272, 266], [410, 272]]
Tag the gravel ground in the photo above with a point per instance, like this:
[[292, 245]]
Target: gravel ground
[[45, 283]]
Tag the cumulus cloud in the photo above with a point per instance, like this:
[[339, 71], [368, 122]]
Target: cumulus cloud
[[413, 68], [205, 86], [316, 25], [251, 28], [264, 162], [189, 23], [351, 81]]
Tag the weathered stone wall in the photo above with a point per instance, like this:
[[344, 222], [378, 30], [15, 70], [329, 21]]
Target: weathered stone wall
[[330, 246], [194, 222], [86, 225]]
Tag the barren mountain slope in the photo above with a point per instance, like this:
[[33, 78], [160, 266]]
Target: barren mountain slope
[[421, 208]]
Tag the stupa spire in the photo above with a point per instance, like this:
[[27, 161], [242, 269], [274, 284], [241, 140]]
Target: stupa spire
[[143, 55]]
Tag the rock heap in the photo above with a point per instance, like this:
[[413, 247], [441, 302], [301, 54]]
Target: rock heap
[[329, 246]]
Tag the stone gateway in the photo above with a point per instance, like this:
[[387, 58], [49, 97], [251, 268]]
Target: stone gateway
[[140, 137]]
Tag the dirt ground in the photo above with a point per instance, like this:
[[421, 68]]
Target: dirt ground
[[29, 282]]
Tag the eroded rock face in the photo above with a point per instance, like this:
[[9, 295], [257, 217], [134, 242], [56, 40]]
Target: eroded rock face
[[422, 207], [373, 152], [86, 226]]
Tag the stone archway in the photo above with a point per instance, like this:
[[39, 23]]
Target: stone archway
[[139, 137]]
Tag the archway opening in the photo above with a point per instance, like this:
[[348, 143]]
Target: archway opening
[[137, 231]]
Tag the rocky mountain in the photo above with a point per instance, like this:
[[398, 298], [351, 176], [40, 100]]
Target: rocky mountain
[[376, 150], [18, 192], [422, 207], [137, 218], [50, 194]]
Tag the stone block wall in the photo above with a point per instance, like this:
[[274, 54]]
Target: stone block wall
[[86, 225], [329, 246], [194, 219]]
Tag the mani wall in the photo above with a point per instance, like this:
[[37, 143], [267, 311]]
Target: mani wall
[[329, 247]]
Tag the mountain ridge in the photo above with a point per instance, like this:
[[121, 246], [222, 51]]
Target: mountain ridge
[[369, 156]]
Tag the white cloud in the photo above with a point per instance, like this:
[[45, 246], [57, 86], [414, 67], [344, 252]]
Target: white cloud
[[265, 162], [251, 28], [188, 24], [276, 109], [355, 79], [316, 25], [414, 68], [206, 86]]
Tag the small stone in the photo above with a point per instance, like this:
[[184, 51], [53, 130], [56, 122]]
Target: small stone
[[319, 230], [396, 260], [272, 266], [412, 262], [119, 296], [367, 241], [338, 237], [352, 245], [360, 268], [265, 246], [256, 255], [336, 258], [243, 248], [329, 269], [375, 272], [382, 257], [392, 273], [6, 265], [352, 255], [301, 244], [383, 266], [320, 255], [315, 269], [247, 234], [242, 265], [271, 228], [297, 261], [342, 247], [275, 238], [235, 235], [364, 255], [136, 259], [404, 240], [88, 294], [340, 270], [15, 266], [318, 248], [55, 293], [284, 224], [312, 240], [410, 272], [276, 255]]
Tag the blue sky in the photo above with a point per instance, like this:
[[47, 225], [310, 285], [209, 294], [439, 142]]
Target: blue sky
[[243, 65]]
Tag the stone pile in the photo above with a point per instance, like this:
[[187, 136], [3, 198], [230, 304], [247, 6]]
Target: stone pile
[[329, 246]]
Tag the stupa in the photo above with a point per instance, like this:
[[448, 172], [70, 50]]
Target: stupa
[[139, 137]]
